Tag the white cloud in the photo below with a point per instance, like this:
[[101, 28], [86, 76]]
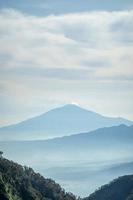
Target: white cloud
[[42, 56]]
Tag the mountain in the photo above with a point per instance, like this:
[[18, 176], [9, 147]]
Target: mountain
[[66, 120], [110, 143], [118, 189], [22, 183], [80, 163]]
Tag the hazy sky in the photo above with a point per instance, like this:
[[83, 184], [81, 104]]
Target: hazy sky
[[55, 52]]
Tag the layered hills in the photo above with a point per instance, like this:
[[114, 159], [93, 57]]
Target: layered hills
[[104, 143]]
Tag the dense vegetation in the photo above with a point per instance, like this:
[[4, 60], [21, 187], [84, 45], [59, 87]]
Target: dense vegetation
[[118, 189], [22, 183]]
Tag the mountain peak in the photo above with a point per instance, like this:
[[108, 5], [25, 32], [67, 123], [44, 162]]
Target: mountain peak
[[62, 121], [72, 105]]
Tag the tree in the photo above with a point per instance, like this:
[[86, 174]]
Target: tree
[[1, 153]]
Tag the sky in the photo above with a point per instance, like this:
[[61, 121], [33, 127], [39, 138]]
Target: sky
[[58, 52]]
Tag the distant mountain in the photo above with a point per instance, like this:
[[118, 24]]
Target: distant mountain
[[22, 183], [102, 144], [118, 189], [66, 120]]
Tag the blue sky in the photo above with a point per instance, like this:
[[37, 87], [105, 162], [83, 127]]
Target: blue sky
[[58, 52], [46, 7]]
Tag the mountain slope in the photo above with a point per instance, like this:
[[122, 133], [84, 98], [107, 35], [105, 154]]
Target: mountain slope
[[118, 189], [66, 120], [22, 183]]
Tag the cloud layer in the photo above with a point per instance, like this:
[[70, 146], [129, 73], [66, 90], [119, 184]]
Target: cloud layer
[[57, 59]]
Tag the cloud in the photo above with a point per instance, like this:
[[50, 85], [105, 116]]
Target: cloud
[[47, 73], [67, 41], [56, 59]]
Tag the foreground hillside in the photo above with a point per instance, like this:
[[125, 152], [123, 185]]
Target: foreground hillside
[[119, 189], [22, 183]]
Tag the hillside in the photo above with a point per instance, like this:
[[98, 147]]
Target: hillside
[[118, 189], [22, 183], [67, 120]]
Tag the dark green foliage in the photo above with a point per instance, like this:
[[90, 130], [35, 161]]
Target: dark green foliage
[[22, 183], [119, 189], [1, 153]]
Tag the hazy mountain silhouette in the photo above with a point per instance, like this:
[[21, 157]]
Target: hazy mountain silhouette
[[66, 120], [110, 142]]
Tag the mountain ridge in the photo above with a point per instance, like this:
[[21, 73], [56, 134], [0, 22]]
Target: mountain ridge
[[111, 138], [67, 120], [62, 107]]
